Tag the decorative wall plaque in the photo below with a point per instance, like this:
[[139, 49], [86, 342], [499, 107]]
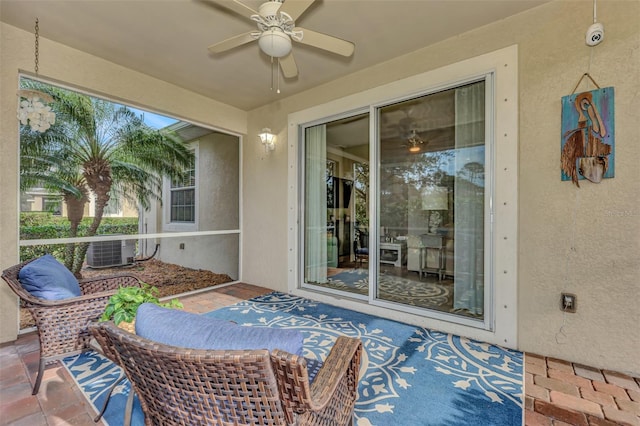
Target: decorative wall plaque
[[588, 136]]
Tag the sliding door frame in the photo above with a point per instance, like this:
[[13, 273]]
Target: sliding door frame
[[500, 325], [301, 209]]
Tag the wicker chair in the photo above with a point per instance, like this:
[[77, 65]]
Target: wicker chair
[[235, 387], [361, 247], [62, 324]]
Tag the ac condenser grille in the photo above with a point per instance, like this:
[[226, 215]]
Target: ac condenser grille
[[102, 254]]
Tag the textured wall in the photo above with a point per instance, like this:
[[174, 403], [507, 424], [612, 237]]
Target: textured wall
[[217, 203], [603, 220], [73, 67]]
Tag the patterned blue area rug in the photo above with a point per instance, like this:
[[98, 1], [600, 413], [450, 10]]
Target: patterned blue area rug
[[410, 375], [95, 375]]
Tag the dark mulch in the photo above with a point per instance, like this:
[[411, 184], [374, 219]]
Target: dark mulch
[[170, 280]]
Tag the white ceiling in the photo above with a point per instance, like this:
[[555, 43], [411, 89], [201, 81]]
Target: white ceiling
[[168, 39]]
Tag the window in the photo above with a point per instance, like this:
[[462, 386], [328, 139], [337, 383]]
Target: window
[[52, 205], [183, 198], [181, 193], [114, 207]]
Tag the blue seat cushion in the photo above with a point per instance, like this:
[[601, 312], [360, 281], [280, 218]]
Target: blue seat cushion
[[313, 367], [49, 279], [187, 330]]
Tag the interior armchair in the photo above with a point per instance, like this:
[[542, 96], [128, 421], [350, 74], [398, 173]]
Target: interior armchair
[[361, 247]]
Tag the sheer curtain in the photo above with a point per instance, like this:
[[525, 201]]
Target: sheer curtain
[[469, 199], [316, 205]]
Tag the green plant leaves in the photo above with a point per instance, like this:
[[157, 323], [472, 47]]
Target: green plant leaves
[[123, 305]]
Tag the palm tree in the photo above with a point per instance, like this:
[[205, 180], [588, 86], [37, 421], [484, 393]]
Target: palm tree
[[101, 148]]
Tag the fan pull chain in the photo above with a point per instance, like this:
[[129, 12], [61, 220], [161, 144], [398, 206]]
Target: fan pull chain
[[272, 73], [275, 77], [278, 76]]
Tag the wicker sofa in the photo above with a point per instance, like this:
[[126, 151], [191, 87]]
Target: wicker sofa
[[62, 324], [234, 387]]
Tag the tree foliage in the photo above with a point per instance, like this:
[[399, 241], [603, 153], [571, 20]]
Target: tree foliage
[[99, 148]]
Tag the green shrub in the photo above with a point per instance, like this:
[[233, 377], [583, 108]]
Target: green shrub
[[41, 225]]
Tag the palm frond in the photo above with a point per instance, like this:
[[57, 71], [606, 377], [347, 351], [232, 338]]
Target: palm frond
[[92, 135]]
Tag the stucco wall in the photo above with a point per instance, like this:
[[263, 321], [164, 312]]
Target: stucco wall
[[218, 210], [218, 182], [217, 253], [72, 67], [602, 221]]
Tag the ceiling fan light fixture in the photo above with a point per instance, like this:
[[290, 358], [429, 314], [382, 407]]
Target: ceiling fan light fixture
[[414, 142], [275, 43], [269, 8], [276, 32]]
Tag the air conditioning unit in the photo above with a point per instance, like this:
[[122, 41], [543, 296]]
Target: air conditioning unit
[[104, 254]]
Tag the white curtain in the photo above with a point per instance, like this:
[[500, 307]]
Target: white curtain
[[469, 199], [316, 205], [470, 115]]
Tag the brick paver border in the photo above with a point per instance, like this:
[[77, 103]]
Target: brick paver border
[[559, 392]]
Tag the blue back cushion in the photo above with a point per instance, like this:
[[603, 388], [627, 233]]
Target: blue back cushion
[[188, 330], [49, 279]]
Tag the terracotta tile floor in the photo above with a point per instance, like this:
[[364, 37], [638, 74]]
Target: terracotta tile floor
[[558, 393]]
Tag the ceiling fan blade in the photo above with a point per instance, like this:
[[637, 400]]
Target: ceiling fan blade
[[288, 65], [234, 6], [295, 8], [231, 43], [326, 42]]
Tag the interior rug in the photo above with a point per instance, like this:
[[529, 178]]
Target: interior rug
[[391, 287], [410, 375]]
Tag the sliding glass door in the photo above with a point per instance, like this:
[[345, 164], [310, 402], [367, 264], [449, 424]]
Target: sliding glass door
[[336, 205], [431, 196], [428, 206]]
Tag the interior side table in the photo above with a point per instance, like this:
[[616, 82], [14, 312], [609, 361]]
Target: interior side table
[[432, 242], [400, 248]]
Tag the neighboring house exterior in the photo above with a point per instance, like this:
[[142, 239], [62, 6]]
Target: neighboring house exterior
[[206, 200], [584, 241], [43, 200]]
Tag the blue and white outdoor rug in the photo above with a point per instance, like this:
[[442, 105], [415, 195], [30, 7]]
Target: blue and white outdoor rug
[[409, 376]]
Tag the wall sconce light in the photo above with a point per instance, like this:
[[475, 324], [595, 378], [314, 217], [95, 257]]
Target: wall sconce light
[[268, 139]]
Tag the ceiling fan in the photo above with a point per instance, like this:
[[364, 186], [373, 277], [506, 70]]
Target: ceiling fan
[[414, 141], [276, 29]]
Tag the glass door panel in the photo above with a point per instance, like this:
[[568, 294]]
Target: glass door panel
[[431, 201], [336, 205]]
